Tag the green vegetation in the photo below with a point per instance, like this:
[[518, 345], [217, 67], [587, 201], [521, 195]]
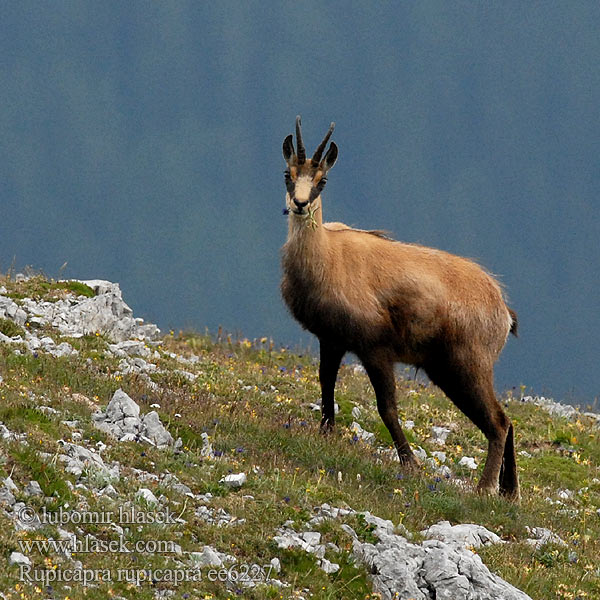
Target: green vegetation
[[10, 328], [39, 287], [252, 400]]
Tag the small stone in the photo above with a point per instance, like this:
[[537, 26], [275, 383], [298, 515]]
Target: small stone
[[16, 558], [33, 489], [235, 480], [468, 461], [109, 490], [6, 496], [276, 564], [147, 495], [541, 536], [10, 485], [329, 567], [312, 538], [156, 431], [439, 435], [362, 434], [207, 558]]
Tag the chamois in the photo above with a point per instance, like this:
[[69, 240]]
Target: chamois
[[387, 301]]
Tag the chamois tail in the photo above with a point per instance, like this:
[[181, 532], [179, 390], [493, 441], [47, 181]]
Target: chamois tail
[[514, 326]]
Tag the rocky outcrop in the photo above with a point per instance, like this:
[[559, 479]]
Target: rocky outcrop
[[122, 420], [104, 313], [436, 569]]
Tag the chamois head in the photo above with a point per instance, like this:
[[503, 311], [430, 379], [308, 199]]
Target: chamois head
[[306, 178]]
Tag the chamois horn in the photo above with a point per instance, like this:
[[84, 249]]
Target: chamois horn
[[316, 159], [299, 142]]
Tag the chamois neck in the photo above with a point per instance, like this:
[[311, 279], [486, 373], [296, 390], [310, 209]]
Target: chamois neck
[[308, 226]]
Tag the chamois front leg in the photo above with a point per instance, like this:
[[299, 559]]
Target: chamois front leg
[[381, 374], [331, 358]]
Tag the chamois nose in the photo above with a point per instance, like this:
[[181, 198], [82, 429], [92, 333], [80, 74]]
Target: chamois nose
[[300, 204]]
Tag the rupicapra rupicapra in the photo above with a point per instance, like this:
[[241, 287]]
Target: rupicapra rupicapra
[[386, 301]]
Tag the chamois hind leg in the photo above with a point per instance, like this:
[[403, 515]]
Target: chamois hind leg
[[331, 358], [471, 389], [381, 374], [509, 480]]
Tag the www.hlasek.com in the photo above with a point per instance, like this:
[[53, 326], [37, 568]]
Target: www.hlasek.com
[[90, 544], [235, 573]]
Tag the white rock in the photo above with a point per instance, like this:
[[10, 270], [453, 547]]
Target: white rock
[[207, 450], [155, 431], [33, 489], [439, 435], [356, 412], [209, 557], [362, 434], [6, 496], [276, 564], [147, 495], [78, 459], [24, 518], [565, 494], [10, 485], [541, 536], [433, 569], [122, 420], [468, 461], [420, 453], [440, 456], [312, 538], [329, 567], [234, 480], [464, 535], [16, 558], [130, 348]]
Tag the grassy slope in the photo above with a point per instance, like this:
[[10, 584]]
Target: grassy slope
[[252, 401]]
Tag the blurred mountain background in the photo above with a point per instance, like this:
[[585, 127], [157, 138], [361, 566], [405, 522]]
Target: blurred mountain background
[[141, 143]]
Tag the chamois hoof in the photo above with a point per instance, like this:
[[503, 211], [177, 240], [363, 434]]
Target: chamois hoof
[[513, 495], [326, 426], [487, 490], [409, 463]]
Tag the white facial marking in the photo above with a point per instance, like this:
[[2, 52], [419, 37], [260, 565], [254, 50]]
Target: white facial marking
[[304, 185]]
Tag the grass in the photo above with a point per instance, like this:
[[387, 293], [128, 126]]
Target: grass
[[252, 400], [10, 328]]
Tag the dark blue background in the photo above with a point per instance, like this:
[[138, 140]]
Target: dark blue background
[[141, 142]]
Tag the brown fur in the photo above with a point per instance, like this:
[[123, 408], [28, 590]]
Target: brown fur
[[386, 301]]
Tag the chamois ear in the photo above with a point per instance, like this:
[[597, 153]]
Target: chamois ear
[[330, 157], [288, 148]]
